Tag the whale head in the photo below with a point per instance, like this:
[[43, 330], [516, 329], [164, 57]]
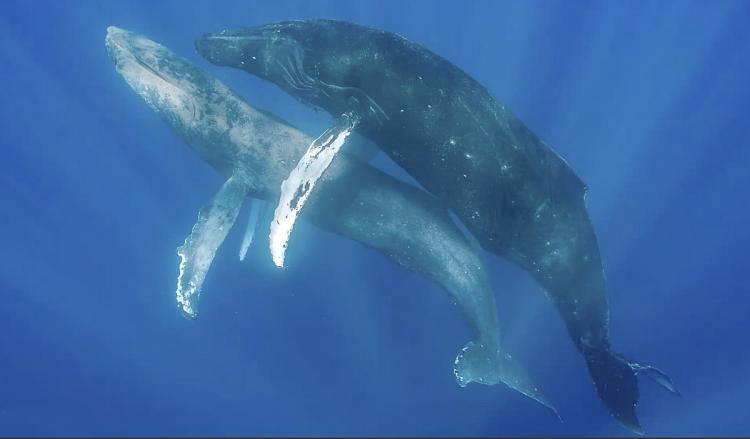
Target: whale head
[[273, 52], [166, 82], [195, 105], [309, 59], [269, 51]]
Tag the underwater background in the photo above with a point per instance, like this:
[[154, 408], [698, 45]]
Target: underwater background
[[647, 100]]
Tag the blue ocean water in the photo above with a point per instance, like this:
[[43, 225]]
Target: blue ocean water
[[647, 100]]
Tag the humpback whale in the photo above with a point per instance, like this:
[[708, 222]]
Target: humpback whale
[[519, 198], [254, 150]]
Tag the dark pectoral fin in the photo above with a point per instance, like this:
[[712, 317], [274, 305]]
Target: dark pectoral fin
[[361, 149]]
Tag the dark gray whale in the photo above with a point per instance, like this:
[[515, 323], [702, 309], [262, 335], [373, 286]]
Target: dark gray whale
[[254, 150], [516, 195]]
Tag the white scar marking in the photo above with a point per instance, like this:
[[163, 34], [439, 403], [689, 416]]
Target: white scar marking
[[296, 189]]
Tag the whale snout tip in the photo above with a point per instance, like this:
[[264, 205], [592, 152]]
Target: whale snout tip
[[115, 42], [116, 35], [114, 30]]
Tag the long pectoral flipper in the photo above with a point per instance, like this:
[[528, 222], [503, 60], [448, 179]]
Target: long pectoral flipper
[[256, 206], [214, 221], [296, 189]]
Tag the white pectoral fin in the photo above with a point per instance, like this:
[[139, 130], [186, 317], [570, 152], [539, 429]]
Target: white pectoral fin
[[296, 189], [253, 222], [214, 221]]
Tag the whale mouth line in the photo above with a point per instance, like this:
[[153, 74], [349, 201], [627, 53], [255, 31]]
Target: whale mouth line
[[234, 37], [169, 81], [274, 38], [155, 72], [127, 49]]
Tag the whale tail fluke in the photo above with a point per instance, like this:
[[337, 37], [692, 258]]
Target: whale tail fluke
[[483, 364], [655, 375], [616, 383]]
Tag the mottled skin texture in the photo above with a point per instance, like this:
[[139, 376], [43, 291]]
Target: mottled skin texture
[[355, 200], [517, 196]]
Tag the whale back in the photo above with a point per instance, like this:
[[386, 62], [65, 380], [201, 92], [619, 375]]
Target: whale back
[[442, 124]]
